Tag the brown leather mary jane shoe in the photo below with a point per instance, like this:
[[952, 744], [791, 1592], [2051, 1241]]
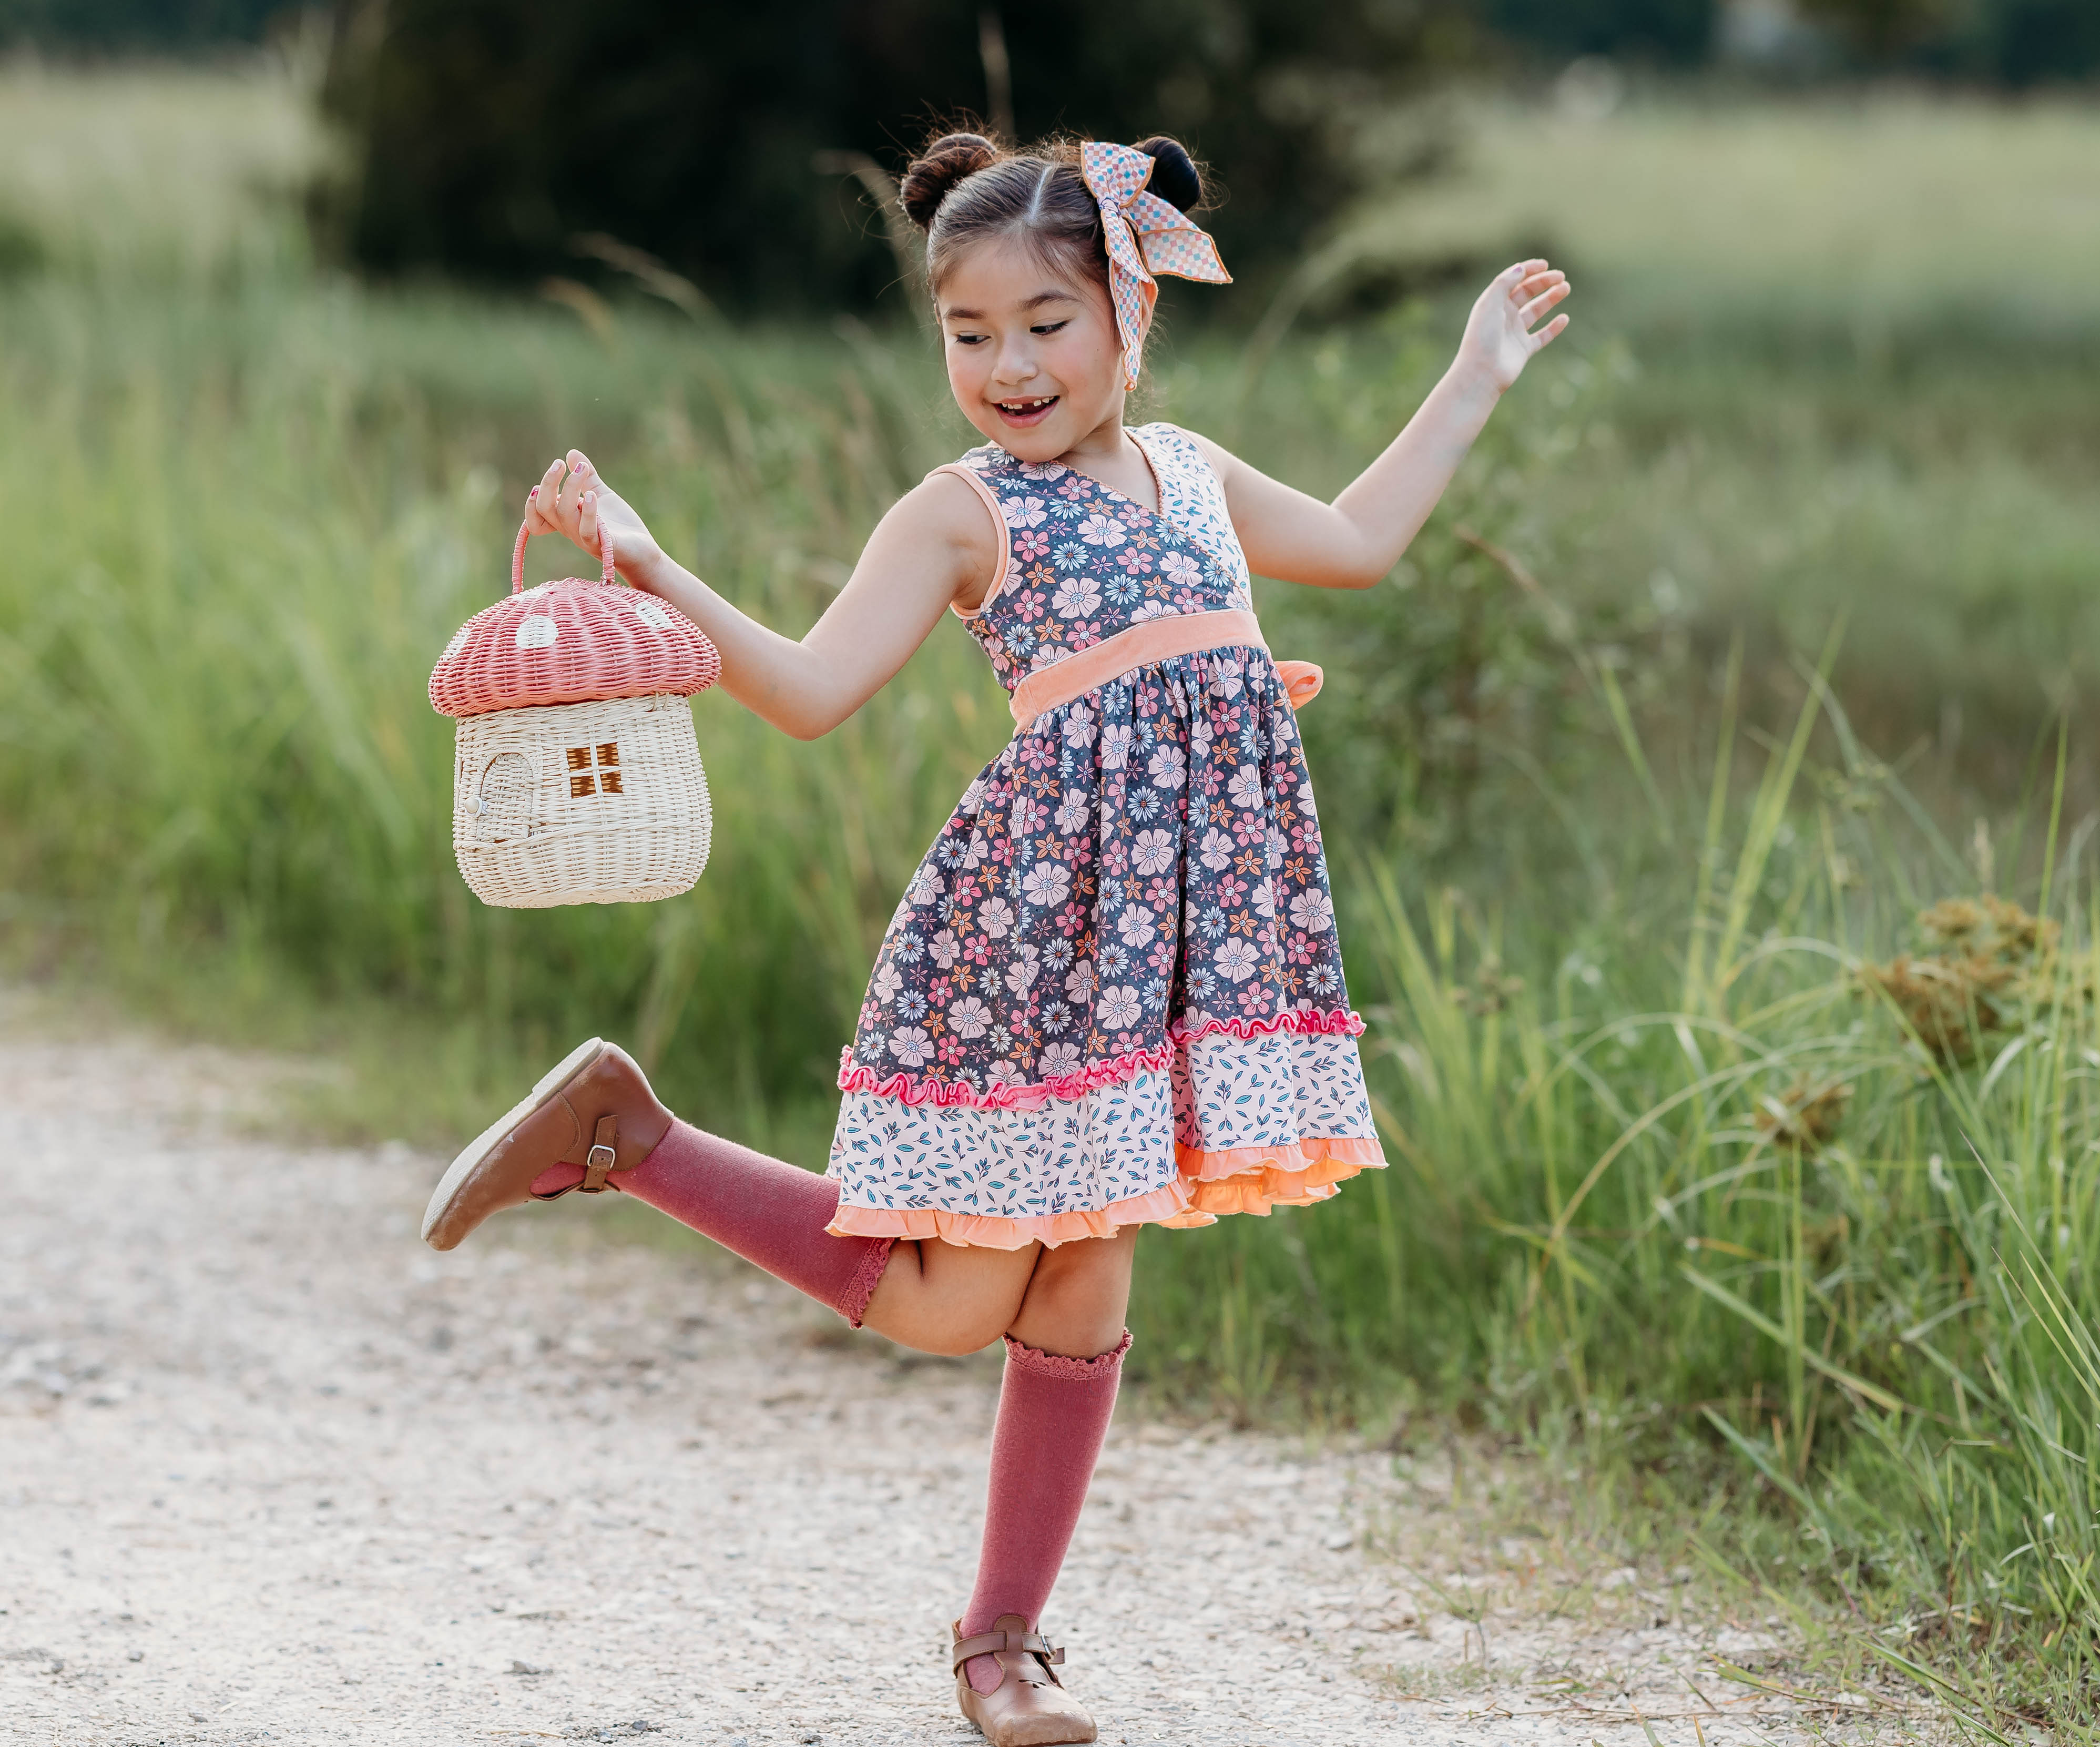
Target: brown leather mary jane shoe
[[1030, 1707], [595, 1111]]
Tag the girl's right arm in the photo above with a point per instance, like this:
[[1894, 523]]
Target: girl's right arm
[[936, 547]]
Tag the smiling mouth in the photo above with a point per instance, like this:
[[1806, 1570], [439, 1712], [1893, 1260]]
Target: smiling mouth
[[1030, 410]]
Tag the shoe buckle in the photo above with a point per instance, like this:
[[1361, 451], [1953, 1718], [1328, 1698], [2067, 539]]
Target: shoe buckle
[[604, 1157]]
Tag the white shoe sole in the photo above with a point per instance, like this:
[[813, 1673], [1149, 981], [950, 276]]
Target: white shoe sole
[[550, 1087]]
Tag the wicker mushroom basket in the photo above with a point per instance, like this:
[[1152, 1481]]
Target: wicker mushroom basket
[[576, 777]]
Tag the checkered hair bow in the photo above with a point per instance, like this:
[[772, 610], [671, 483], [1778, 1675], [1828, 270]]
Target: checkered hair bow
[[1144, 235]]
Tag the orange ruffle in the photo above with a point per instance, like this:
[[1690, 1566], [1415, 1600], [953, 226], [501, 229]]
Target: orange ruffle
[[1244, 1180]]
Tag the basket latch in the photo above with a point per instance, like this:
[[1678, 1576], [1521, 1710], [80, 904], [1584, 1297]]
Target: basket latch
[[602, 1157]]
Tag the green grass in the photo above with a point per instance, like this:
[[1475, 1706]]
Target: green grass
[[1747, 635]]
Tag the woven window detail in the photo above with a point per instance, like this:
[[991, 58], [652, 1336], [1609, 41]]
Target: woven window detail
[[604, 780]]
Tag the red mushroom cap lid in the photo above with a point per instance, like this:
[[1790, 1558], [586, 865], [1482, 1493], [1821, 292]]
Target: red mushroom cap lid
[[572, 642]]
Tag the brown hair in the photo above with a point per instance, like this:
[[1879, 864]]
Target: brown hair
[[963, 189]]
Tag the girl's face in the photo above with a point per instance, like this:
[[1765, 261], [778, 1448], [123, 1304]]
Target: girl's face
[[1033, 357]]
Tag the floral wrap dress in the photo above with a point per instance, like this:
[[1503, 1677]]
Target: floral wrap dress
[[1113, 993]]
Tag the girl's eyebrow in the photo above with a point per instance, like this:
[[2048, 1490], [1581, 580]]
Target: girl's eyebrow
[[1037, 301]]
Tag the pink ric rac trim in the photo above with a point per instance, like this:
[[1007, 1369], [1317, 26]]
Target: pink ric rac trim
[[917, 1090]]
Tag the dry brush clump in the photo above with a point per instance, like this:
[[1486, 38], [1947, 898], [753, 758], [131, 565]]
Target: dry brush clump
[[1989, 961]]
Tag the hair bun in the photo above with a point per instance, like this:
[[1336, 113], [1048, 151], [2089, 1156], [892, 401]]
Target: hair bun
[[1174, 178], [945, 162]]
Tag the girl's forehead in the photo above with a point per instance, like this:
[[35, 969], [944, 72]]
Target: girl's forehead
[[1003, 277]]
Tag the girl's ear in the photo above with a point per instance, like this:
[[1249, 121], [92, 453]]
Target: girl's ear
[[1150, 290]]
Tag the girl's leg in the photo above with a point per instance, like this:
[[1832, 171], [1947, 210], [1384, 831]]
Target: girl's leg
[[594, 1123], [1064, 1359]]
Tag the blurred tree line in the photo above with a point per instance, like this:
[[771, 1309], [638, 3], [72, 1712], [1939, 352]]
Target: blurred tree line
[[510, 139]]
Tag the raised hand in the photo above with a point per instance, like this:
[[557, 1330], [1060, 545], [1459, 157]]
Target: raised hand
[[572, 499], [1501, 333]]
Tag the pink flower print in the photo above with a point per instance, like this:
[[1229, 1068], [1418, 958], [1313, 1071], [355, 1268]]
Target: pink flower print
[[967, 892], [1076, 597], [1161, 958], [1058, 1060], [1188, 601], [1153, 852], [1074, 810], [1024, 512], [1276, 846], [1046, 471], [1232, 892], [1006, 1073], [951, 1050], [1115, 856], [1115, 746], [911, 1046], [943, 949], [1101, 530], [1181, 569], [925, 888], [1151, 610], [973, 852], [970, 1017], [1021, 974], [1027, 817], [1244, 788], [1264, 898], [1078, 732], [995, 917], [1117, 1008], [1135, 926], [888, 982], [1314, 911], [1031, 545], [1238, 960], [1167, 768], [1254, 998], [1080, 980], [1028, 604], [1047, 884], [1134, 561]]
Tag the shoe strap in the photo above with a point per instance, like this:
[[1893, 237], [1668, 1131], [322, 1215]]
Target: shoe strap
[[993, 1643], [604, 1156]]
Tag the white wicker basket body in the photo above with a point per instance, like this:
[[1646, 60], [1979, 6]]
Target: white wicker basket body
[[601, 803]]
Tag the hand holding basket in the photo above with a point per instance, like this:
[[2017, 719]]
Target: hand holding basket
[[576, 776]]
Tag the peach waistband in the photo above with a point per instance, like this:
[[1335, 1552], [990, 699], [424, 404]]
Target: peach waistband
[[1153, 640]]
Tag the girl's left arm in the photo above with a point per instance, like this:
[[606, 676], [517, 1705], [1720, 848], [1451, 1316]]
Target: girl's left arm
[[1352, 542]]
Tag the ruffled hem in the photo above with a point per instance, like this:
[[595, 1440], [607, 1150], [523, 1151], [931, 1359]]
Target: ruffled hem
[[907, 1089], [1245, 1179]]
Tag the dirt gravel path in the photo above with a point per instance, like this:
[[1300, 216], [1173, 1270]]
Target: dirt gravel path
[[271, 1471]]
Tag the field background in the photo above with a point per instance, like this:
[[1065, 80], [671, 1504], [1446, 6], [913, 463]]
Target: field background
[[1758, 627]]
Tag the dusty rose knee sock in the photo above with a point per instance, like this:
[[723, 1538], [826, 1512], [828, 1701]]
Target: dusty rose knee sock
[[1053, 1418], [769, 1213]]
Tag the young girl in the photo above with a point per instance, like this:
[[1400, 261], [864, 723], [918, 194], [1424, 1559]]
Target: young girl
[[1112, 995]]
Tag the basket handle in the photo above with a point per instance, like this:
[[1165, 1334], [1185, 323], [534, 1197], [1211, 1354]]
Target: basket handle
[[525, 533]]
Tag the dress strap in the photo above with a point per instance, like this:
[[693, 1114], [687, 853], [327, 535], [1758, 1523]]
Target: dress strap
[[976, 482]]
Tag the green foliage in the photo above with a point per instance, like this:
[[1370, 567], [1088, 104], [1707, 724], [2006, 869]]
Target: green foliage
[[487, 137]]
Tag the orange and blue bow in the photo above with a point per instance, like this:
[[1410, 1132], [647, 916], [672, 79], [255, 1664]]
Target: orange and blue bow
[[1144, 235]]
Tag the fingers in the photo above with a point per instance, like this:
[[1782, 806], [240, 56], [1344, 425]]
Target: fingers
[[1547, 335], [1544, 300], [543, 507]]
